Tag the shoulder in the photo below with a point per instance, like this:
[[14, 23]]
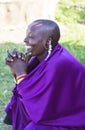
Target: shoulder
[[64, 60]]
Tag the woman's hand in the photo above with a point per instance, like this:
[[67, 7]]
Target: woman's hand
[[17, 62]]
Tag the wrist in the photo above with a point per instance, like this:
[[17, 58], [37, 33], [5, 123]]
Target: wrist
[[20, 73], [20, 78]]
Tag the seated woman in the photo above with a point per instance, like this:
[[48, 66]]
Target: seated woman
[[50, 83]]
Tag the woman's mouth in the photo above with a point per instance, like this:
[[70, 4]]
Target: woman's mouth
[[28, 50]]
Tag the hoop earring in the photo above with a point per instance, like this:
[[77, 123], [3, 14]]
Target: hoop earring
[[49, 50]]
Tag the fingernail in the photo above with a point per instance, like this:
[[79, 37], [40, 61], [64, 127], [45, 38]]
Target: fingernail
[[12, 60], [23, 58], [19, 56], [30, 53], [14, 55]]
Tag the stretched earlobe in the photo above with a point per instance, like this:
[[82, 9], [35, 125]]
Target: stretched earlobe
[[46, 46], [49, 50]]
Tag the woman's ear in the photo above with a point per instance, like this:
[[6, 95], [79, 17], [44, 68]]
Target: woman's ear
[[49, 41], [49, 48], [44, 43]]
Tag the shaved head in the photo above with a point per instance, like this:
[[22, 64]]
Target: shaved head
[[40, 34], [49, 27]]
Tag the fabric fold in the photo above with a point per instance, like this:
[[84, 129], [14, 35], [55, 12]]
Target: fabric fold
[[53, 93]]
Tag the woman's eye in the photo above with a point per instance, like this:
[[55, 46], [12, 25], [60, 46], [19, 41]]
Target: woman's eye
[[30, 36]]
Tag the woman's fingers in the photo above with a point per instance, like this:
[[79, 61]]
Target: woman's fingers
[[14, 52], [9, 54], [20, 55], [14, 55], [9, 57], [23, 57], [8, 61]]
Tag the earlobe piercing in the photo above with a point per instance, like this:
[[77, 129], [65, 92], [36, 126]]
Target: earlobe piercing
[[49, 50]]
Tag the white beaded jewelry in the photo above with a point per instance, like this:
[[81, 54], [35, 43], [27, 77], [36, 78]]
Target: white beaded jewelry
[[49, 50]]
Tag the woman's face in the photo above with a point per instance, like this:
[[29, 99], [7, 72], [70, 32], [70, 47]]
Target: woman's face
[[35, 38]]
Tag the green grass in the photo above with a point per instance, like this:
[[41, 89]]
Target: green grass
[[72, 11], [6, 80], [72, 37], [71, 17]]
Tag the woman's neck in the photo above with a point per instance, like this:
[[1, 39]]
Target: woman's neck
[[40, 57]]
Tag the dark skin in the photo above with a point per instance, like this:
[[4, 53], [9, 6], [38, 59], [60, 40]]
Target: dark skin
[[39, 34], [17, 62], [36, 39]]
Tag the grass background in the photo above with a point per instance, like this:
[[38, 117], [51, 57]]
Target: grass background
[[71, 18]]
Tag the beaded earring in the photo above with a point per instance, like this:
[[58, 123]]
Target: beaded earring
[[49, 50]]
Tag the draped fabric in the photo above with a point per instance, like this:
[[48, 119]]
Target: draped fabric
[[53, 94]]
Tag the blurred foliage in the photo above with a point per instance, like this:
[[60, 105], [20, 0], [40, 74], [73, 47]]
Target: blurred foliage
[[70, 11], [71, 15], [77, 50]]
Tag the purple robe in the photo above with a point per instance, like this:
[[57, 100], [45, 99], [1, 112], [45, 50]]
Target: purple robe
[[52, 96]]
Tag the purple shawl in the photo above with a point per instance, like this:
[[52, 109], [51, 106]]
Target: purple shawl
[[52, 94]]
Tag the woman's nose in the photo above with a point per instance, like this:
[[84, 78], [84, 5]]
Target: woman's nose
[[26, 41]]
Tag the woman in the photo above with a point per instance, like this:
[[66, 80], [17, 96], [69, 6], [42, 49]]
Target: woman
[[50, 83]]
